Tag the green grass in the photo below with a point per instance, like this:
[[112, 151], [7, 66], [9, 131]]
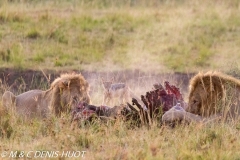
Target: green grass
[[33, 34], [199, 45], [150, 35]]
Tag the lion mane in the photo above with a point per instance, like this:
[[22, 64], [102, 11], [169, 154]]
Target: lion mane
[[64, 95], [214, 93]]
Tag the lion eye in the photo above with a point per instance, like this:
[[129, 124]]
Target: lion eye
[[194, 101]]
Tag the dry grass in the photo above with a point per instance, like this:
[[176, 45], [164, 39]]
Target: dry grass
[[116, 141]]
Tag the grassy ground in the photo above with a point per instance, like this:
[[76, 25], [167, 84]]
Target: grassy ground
[[150, 35], [116, 141]]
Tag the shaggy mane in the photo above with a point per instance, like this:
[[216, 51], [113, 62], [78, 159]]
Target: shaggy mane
[[70, 77], [214, 74]]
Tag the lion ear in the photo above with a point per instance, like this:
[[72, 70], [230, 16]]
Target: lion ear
[[66, 83]]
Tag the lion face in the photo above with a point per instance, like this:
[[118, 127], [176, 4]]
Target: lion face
[[204, 99], [75, 94], [195, 100], [68, 92]]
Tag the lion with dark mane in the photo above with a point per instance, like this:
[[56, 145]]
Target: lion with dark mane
[[212, 94], [64, 94]]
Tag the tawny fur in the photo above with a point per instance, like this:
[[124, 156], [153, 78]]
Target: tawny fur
[[214, 93], [64, 95], [213, 96]]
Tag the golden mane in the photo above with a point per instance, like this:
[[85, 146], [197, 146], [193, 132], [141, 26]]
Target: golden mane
[[214, 93], [213, 74], [73, 77]]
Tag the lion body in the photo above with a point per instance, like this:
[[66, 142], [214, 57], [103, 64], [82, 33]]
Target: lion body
[[214, 93], [32, 103], [64, 95]]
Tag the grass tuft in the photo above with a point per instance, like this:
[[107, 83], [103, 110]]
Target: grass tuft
[[5, 55], [6, 129], [39, 58], [83, 141], [33, 34], [58, 35]]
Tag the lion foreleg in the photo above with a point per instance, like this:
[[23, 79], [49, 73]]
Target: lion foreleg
[[187, 117], [173, 117]]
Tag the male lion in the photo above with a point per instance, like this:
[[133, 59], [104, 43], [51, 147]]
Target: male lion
[[212, 95], [64, 95]]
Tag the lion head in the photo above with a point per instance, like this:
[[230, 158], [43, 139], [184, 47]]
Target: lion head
[[67, 92], [205, 92], [209, 93]]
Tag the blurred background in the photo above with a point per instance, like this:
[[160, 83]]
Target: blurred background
[[157, 36]]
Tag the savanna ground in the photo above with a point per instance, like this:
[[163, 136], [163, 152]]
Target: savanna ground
[[139, 42]]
